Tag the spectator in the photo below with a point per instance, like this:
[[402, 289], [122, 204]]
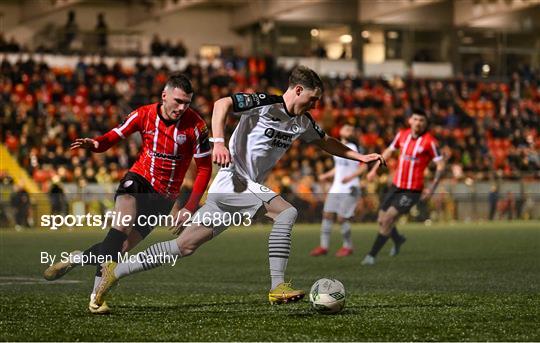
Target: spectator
[[493, 200], [57, 198], [156, 47], [20, 201], [178, 50], [101, 32], [71, 30]]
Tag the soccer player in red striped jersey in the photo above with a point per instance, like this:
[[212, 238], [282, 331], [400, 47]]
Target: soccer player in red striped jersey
[[417, 149], [172, 134]]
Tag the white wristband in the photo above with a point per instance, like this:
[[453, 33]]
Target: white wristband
[[217, 140]]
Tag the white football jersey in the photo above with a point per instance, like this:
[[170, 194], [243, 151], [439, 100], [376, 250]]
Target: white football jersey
[[345, 167], [264, 133]]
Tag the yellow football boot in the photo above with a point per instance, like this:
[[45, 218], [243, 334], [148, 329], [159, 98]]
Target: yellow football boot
[[284, 293]]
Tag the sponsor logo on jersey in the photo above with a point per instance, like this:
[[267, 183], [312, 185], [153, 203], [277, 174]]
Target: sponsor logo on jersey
[[279, 139], [165, 156], [410, 158], [295, 128]]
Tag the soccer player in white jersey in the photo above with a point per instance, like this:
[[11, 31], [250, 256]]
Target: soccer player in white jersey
[[342, 197], [267, 127]]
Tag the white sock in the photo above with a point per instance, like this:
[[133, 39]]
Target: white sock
[[97, 280], [151, 258], [279, 245], [326, 230], [346, 233]]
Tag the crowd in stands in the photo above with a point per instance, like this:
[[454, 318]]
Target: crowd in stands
[[485, 129], [9, 45]]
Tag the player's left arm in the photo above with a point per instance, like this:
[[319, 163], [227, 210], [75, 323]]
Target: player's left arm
[[362, 168], [336, 148], [441, 165], [203, 163]]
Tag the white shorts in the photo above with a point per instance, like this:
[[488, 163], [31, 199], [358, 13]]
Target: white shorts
[[230, 193], [343, 204]]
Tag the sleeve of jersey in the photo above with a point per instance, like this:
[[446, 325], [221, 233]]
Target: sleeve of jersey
[[313, 131], [202, 143], [129, 126], [204, 172], [395, 143], [434, 151], [249, 104]]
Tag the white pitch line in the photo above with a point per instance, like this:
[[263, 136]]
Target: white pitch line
[[18, 280]]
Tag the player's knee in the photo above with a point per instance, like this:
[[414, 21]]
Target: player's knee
[[328, 215], [287, 216], [386, 222]]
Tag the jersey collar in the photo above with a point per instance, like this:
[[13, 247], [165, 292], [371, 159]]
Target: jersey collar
[[285, 107], [167, 122]]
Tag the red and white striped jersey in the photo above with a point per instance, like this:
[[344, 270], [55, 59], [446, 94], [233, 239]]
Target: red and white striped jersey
[[167, 146], [414, 157]]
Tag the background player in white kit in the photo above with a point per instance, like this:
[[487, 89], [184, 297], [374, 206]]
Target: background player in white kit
[[342, 197], [267, 127]]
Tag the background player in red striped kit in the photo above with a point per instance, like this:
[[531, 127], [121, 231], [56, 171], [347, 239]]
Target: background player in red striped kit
[[172, 134], [417, 149]]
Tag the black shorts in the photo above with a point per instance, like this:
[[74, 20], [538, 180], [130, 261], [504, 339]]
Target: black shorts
[[402, 199], [149, 202]]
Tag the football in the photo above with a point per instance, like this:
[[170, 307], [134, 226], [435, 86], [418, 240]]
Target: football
[[327, 296]]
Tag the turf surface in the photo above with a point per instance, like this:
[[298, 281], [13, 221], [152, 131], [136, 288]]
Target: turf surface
[[466, 282]]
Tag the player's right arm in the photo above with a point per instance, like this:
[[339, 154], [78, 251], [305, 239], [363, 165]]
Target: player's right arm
[[220, 154], [373, 172], [106, 141], [394, 146]]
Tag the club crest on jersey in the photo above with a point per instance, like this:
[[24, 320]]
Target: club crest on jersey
[[180, 139], [295, 128], [265, 189]]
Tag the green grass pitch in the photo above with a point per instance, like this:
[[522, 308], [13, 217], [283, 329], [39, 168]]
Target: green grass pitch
[[465, 282]]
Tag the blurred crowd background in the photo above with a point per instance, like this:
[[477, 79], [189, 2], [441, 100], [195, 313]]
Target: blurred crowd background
[[486, 130], [485, 116]]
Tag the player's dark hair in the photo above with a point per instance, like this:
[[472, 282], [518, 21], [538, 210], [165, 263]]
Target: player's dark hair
[[420, 112], [305, 77], [179, 80]]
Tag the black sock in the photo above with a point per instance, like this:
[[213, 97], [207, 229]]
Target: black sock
[[112, 244], [396, 237], [380, 241], [92, 253], [98, 270]]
